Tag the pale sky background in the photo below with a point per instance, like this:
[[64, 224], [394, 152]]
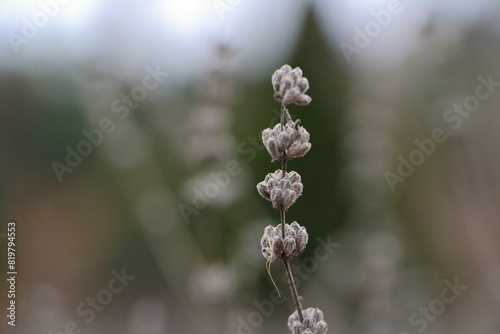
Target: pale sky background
[[181, 34]]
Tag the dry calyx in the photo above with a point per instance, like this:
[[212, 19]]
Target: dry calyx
[[313, 322], [290, 87], [281, 190], [292, 140], [274, 247]]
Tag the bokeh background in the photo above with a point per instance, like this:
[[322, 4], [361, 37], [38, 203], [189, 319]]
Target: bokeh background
[[382, 74]]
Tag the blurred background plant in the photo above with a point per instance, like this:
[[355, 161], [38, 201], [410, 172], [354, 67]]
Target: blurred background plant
[[168, 194]]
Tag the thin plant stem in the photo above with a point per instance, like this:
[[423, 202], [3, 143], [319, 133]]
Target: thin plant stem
[[283, 164], [282, 215], [293, 289]]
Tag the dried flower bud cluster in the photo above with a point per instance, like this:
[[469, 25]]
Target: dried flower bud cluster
[[290, 87], [274, 247], [292, 140], [313, 322], [281, 190]]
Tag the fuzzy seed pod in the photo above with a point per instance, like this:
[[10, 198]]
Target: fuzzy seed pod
[[274, 247], [313, 322], [290, 87], [281, 191], [291, 141]]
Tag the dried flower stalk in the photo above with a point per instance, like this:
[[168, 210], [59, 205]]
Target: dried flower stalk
[[288, 140]]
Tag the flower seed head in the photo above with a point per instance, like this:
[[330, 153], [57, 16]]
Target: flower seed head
[[274, 247], [281, 190], [292, 140], [313, 322], [290, 87]]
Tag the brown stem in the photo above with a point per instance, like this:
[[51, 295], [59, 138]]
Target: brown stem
[[282, 214], [293, 289]]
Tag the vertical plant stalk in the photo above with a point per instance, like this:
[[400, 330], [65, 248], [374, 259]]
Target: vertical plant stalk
[[293, 289], [288, 269], [286, 141]]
